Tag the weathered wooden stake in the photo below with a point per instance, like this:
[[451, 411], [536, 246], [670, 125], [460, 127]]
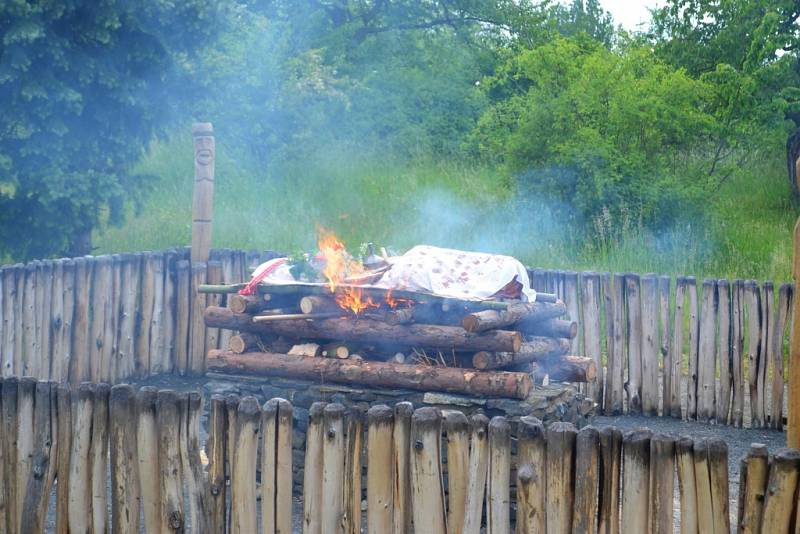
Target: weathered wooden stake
[[401, 445], [559, 477], [662, 483], [312, 470], [243, 472], [725, 346], [780, 501], [636, 481], [634, 384], [80, 469], [203, 193], [427, 493], [354, 434], [124, 461], [610, 459], [684, 457], [216, 446], [456, 429], [64, 450], [333, 455], [379, 469], [498, 520], [793, 426], [650, 344], [587, 479], [172, 516]]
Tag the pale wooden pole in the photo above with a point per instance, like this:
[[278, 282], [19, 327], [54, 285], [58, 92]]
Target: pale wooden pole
[[793, 427], [203, 196]]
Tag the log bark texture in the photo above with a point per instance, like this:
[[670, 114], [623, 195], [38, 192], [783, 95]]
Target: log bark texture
[[420, 377], [367, 330], [536, 348], [527, 314]]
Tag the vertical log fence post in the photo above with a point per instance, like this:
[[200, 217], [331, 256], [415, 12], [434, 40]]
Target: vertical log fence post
[[587, 479], [780, 500], [124, 459], [243, 472], [216, 446], [354, 434], [80, 471], [725, 345], [694, 344], [610, 458], [559, 477], [64, 450], [427, 493], [498, 499], [203, 193], [456, 428], [650, 344], [684, 458], [753, 491], [478, 464], [379, 469], [531, 453], [737, 351], [662, 483], [401, 442], [793, 427], [634, 384], [333, 454], [636, 481], [312, 470], [707, 355]]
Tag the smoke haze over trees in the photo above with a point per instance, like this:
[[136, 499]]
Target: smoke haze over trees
[[605, 126]]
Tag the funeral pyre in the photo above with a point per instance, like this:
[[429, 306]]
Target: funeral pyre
[[431, 319]]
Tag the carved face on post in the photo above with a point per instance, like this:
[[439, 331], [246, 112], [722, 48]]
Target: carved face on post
[[204, 150]]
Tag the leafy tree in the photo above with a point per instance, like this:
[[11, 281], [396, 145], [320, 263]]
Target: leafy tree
[[613, 136], [749, 50], [85, 86], [583, 16]]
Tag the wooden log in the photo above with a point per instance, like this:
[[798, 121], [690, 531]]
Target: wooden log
[[571, 301], [251, 304], [9, 299], [243, 472], [8, 442], [590, 320], [276, 466], [318, 304], [80, 470], [456, 429], [244, 342], [19, 334], [687, 486], [587, 481], [45, 319], [664, 283], [753, 492], [30, 341], [197, 333], [213, 276], [191, 462], [129, 277], [354, 436], [614, 403], [113, 326], [707, 355], [333, 455], [25, 430], [536, 348], [725, 362], [312, 470], [449, 379], [147, 440], [365, 330], [98, 456], [559, 476], [427, 493], [38, 486], [777, 334], [610, 459], [567, 369], [478, 470], [335, 350], [216, 446], [144, 314], [702, 478], [531, 455], [754, 348], [662, 483], [694, 345], [522, 315], [737, 350], [124, 460], [231, 410], [650, 344], [675, 369], [158, 343], [169, 318], [99, 345], [380, 509], [311, 350], [203, 190], [285, 317], [780, 501], [718, 478], [401, 459], [172, 516], [634, 384], [63, 460], [635, 480], [793, 423], [557, 328], [767, 305], [498, 518], [183, 315]]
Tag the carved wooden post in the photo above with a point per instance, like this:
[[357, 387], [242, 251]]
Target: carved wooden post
[[203, 197], [793, 427]]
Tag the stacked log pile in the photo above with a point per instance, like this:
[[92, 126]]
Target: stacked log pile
[[400, 339]]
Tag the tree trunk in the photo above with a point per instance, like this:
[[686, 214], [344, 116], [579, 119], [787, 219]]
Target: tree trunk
[[535, 349], [370, 373], [367, 330], [526, 313]]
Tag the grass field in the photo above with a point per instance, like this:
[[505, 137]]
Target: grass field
[[748, 234]]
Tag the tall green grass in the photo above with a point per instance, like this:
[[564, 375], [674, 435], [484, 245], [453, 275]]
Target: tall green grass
[[747, 232]]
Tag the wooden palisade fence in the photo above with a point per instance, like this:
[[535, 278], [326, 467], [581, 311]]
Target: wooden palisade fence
[[711, 351], [121, 460]]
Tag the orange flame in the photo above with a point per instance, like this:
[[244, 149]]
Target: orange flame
[[338, 266], [395, 302], [352, 298]]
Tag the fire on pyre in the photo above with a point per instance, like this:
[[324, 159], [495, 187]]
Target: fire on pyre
[[433, 319]]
